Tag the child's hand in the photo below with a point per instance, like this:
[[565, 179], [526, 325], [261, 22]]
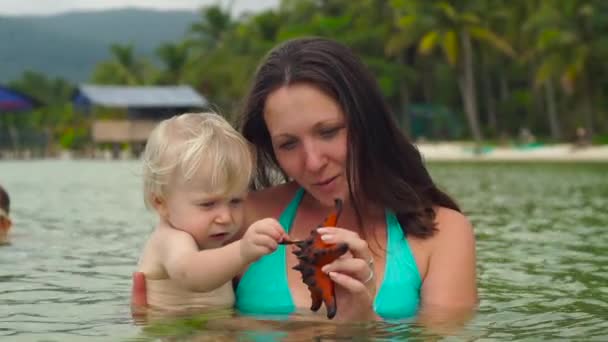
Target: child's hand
[[261, 238]]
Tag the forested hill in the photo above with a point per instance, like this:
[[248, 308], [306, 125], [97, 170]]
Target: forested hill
[[69, 45]]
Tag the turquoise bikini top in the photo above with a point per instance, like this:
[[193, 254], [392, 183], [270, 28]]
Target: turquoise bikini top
[[264, 290]]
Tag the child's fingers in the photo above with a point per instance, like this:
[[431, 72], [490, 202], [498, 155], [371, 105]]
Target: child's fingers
[[266, 241], [272, 228]]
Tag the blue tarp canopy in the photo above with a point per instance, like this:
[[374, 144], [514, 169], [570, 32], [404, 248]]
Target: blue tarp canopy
[[14, 101]]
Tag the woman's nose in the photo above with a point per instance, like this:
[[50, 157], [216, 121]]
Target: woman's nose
[[314, 159]]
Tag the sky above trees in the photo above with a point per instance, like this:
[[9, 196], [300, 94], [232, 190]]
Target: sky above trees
[[49, 7]]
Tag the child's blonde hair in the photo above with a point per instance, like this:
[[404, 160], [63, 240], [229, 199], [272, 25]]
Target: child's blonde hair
[[192, 144]]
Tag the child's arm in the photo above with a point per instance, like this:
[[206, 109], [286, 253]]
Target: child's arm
[[208, 269]]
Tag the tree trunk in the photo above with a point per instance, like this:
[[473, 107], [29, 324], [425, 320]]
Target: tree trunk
[[13, 134], [552, 110], [466, 82], [587, 102], [427, 82], [489, 97], [404, 113], [504, 88]]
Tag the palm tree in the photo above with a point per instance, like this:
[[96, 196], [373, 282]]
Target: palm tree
[[123, 67], [565, 43], [175, 59], [438, 23], [213, 25]]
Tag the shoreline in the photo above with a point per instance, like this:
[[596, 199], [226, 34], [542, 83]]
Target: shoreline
[[431, 152], [458, 152]]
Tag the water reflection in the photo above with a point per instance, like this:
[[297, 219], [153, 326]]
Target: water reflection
[[543, 269], [78, 228]]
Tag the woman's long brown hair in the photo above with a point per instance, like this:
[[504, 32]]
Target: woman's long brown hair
[[383, 166]]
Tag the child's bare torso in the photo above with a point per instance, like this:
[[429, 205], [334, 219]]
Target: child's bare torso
[[167, 294]]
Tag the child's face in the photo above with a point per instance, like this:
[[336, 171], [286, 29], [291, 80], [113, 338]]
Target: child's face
[[211, 219]]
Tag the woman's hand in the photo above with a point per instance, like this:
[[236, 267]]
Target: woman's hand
[[353, 275], [139, 300]]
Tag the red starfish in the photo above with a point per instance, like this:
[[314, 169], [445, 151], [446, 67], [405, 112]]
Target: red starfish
[[313, 254]]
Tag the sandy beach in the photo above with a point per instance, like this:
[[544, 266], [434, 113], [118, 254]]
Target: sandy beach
[[558, 153], [431, 151]]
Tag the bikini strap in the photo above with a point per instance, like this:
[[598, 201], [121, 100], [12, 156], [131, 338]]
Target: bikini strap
[[290, 211]]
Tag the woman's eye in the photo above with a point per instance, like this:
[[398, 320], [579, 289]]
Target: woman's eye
[[328, 133], [287, 145]]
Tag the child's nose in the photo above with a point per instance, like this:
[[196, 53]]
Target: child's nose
[[224, 214]]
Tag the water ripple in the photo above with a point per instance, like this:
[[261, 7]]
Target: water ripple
[[79, 226]]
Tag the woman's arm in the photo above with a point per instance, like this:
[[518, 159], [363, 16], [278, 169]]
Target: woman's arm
[[450, 281], [449, 288]]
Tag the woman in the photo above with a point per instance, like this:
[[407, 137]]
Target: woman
[[318, 121]]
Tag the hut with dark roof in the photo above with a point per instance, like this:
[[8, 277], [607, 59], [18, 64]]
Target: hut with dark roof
[[145, 106]]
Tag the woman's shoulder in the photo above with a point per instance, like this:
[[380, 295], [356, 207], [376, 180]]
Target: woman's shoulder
[[453, 227], [270, 202]]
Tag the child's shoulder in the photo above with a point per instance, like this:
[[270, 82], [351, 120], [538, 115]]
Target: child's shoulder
[[163, 237], [156, 248]]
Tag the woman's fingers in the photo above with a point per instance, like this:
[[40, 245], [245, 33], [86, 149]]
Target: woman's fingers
[[354, 274], [138, 291], [352, 285], [139, 300], [354, 267], [357, 246], [356, 270]]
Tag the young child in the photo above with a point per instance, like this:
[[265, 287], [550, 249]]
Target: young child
[[197, 170], [5, 220]]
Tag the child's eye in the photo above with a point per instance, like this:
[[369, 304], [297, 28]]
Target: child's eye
[[236, 201], [208, 204]]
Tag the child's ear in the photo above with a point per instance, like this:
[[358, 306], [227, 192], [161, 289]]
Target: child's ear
[[160, 206]]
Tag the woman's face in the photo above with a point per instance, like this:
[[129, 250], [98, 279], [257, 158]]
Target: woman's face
[[308, 133]]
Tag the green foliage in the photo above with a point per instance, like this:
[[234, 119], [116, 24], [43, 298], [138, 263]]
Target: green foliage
[[600, 139], [415, 48], [124, 68]]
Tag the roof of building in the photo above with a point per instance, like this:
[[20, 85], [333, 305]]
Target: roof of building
[[140, 96]]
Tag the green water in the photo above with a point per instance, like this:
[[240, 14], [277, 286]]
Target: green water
[[542, 248]]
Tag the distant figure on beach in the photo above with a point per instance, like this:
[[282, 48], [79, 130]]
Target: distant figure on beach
[[582, 138], [196, 170], [526, 137], [5, 220], [504, 139]]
